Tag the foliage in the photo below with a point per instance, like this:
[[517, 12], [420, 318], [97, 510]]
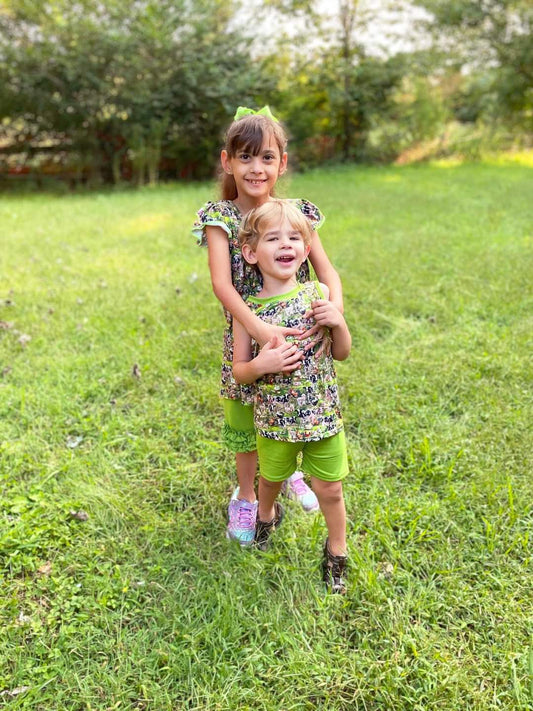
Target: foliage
[[494, 39], [418, 116], [125, 77], [314, 104], [139, 91], [142, 604]]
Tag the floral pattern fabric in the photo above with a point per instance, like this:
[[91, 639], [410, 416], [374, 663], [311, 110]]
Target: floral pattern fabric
[[304, 405], [245, 277]]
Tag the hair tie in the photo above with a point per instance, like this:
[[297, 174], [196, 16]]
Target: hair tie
[[242, 111]]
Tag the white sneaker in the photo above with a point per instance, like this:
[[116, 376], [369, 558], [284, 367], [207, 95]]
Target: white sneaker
[[296, 489]]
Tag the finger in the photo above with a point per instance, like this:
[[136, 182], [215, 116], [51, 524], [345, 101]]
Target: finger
[[291, 368], [309, 346], [288, 348], [293, 357], [310, 332], [322, 320], [321, 309], [292, 331], [325, 348]]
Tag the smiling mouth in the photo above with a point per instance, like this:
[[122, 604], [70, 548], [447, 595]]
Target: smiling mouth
[[286, 259], [255, 181]]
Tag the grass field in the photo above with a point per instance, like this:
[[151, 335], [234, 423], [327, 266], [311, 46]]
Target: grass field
[[119, 589]]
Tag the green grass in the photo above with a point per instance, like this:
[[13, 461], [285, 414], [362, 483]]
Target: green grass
[[145, 605]]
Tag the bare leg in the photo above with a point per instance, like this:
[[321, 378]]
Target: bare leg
[[268, 491], [331, 500], [246, 470]]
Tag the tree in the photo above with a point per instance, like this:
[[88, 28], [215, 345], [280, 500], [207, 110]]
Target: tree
[[493, 40], [124, 80], [336, 88]]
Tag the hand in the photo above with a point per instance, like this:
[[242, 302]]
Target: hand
[[326, 314], [317, 336], [267, 332], [279, 356]]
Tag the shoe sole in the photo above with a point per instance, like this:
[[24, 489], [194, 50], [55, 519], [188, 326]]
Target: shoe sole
[[307, 509], [243, 544]]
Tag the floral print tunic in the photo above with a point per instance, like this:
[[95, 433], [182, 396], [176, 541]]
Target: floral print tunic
[[245, 278], [304, 405]]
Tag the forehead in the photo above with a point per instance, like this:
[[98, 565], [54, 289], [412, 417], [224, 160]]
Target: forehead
[[276, 223], [269, 144], [259, 142]]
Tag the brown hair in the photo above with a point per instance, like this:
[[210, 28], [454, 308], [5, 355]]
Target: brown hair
[[275, 210], [248, 134]]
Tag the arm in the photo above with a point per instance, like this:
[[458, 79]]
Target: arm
[[325, 271], [276, 356], [327, 275], [326, 314], [220, 269]]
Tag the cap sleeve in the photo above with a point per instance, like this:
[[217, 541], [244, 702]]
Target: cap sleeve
[[313, 289], [311, 211], [210, 215]]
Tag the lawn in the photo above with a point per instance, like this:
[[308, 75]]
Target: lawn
[[119, 589]]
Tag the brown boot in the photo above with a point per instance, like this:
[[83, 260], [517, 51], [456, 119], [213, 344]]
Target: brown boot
[[334, 568]]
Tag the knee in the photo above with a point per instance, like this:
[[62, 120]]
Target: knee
[[267, 485], [329, 492]]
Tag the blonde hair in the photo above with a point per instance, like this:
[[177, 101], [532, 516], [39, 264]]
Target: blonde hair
[[257, 220], [248, 134]]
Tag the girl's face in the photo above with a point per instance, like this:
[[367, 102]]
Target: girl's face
[[255, 175]]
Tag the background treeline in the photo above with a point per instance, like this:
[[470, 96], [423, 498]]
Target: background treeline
[[142, 90]]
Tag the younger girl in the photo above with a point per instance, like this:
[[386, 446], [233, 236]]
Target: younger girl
[[253, 159]]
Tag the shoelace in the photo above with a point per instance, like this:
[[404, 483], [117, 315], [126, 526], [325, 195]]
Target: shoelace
[[244, 517], [299, 487]]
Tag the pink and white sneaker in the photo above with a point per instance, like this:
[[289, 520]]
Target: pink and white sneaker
[[296, 489], [242, 516]]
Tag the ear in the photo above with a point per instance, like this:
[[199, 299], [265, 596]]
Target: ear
[[307, 250], [225, 161], [249, 254], [283, 164]]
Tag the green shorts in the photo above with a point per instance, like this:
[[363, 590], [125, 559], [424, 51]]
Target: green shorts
[[327, 459], [238, 432]]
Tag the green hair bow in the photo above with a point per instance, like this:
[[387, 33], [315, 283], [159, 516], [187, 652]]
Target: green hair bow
[[242, 111]]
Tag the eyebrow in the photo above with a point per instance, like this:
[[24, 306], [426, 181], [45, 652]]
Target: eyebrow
[[274, 233], [250, 151]]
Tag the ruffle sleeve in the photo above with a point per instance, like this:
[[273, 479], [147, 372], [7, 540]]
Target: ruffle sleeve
[[210, 215], [311, 211]]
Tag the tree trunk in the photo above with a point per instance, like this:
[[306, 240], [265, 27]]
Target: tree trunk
[[347, 10]]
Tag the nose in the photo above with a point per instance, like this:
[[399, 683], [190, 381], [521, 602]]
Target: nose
[[256, 165]]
